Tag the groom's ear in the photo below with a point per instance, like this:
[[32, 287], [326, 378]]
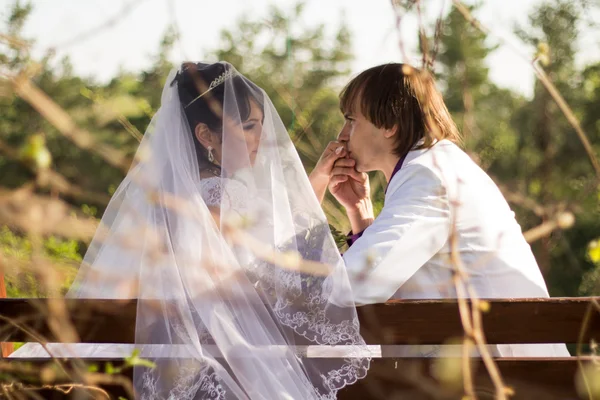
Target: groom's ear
[[204, 135], [390, 133]]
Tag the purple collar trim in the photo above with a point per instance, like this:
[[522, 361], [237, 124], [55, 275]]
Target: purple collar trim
[[396, 169]]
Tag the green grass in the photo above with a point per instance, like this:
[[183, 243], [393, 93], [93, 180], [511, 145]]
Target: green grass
[[61, 254]]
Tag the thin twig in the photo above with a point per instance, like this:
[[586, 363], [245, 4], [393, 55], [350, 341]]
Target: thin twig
[[63, 122], [119, 15], [541, 75], [58, 182]]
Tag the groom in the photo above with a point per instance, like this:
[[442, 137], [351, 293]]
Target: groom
[[441, 213]]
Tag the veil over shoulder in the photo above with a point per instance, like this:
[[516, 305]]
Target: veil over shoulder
[[228, 251]]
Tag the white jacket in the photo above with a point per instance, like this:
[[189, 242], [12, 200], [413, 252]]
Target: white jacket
[[405, 253]]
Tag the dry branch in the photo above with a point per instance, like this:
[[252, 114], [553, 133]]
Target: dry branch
[[28, 212], [58, 183], [63, 122]]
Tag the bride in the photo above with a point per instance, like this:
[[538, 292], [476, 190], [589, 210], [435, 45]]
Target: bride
[[218, 233]]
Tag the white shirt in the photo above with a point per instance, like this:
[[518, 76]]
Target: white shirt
[[405, 253]]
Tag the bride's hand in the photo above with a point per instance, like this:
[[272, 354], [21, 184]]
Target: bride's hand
[[319, 177]]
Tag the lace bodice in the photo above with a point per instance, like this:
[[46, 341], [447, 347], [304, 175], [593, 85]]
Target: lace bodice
[[227, 194]]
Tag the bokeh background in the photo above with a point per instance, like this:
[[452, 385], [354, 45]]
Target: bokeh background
[[81, 80]]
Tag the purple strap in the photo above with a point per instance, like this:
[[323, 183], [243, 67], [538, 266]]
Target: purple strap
[[396, 169], [353, 237]]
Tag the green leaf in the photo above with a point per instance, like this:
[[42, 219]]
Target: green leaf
[[339, 237], [93, 368], [110, 369], [135, 360], [594, 251]]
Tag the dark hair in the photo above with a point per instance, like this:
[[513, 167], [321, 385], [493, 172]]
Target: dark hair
[[194, 79], [399, 95]]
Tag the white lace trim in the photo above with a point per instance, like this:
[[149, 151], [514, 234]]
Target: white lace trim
[[227, 194], [313, 322], [191, 382]]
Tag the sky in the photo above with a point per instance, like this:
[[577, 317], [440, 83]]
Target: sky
[[129, 41]]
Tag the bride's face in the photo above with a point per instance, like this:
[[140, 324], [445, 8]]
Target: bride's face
[[241, 139]]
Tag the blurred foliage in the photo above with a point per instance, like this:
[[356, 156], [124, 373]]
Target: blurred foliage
[[525, 144], [62, 254]]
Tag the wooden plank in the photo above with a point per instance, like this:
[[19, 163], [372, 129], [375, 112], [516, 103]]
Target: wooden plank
[[555, 320], [396, 322], [412, 378], [96, 321]]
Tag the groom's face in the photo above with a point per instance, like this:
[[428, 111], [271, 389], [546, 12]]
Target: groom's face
[[363, 140]]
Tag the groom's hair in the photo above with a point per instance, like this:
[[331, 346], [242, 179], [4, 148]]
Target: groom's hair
[[399, 95]]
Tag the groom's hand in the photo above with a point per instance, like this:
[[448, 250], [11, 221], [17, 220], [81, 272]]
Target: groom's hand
[[351, 188], [347, 185], [319, 177]]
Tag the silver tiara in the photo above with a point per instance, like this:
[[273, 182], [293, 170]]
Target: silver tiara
[[216, 82]]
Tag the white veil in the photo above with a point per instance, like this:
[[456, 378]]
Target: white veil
[[235, 273]]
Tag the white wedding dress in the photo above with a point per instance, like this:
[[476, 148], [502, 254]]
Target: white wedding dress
[[221, 317], [230, 196]]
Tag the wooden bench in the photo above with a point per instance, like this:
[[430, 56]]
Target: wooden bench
[[400, 322]]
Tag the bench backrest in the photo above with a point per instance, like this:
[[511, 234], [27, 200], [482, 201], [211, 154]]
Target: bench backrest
[[555, 320]]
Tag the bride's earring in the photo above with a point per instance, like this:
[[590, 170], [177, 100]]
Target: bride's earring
[[211, 156]]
